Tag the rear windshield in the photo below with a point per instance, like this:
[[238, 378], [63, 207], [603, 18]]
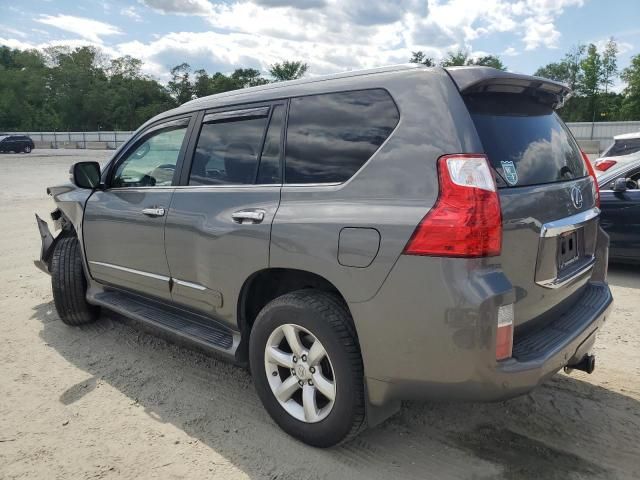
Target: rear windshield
[[526, 141], [623, 147]]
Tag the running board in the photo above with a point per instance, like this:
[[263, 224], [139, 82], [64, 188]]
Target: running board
[[194, 328]]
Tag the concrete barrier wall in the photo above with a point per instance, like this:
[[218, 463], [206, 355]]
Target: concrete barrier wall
[[595, 137]]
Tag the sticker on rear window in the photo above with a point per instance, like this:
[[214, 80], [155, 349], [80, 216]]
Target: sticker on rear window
[[510, 173]]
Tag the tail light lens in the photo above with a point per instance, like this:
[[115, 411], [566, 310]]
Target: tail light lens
[[592, 173], [504, 335], [604, 165], [466, 220]]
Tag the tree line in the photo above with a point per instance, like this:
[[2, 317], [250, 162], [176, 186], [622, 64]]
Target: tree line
[[81, 89]]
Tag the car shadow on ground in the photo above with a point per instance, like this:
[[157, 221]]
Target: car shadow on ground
[[624, 275], [568, 428]]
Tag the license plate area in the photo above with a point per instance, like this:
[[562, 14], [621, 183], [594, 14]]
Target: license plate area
[[569, 249]]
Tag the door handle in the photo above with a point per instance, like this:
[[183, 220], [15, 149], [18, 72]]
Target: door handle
[[153, 211], [248, 216]]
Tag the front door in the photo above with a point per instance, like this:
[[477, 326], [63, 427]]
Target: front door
[[620, 216], [123, 224], [219, 224]]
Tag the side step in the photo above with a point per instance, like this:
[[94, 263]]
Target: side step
[[194, 328]]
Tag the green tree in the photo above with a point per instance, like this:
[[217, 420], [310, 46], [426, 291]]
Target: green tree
[[288, 70], [463, 58], [591, 67], [630, 108], [421, 58], [180, 85]]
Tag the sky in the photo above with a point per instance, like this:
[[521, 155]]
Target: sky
[[330, 35]]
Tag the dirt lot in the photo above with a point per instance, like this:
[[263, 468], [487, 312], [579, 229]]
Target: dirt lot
[[107, 401]]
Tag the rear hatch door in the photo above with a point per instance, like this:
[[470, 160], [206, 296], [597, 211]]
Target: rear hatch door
[[547, 196]]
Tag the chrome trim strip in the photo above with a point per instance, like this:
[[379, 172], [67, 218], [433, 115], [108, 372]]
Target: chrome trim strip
[[132, 270], [184, 283], [562, 281], [558, 227]]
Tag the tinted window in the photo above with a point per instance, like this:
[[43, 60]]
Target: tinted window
[[526, 142], [152, 162], [269, 171], [330, 136], [623, 147], [227, 151]]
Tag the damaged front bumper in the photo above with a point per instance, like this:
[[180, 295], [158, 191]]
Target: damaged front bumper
[[47, 243]]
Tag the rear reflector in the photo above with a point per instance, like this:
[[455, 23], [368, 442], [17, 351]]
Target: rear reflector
[[604, 165], [504, 334], [466, 220], [592, 173]]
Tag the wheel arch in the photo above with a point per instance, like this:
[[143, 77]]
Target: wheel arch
[[267, 284]]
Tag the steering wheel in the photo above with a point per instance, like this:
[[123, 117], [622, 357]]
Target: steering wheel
[[632, 184]]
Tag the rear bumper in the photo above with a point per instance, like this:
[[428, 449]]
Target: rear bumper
[[422, 357]]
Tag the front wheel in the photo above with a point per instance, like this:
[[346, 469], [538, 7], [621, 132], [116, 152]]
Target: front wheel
[[69, 284], [307, 367], [27, 149]]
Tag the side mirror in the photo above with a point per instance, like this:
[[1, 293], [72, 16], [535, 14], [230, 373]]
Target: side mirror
[[620, 184], [85, 174]]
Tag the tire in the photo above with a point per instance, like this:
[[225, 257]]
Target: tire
[[27, 149], [315, 316], [69, 284]]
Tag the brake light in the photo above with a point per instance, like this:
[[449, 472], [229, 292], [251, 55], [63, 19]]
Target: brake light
[[504, 334], [466, 220], [592, 173], [604, 165]]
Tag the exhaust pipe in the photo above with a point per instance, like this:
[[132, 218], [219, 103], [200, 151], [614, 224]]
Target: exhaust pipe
[[586, 364]]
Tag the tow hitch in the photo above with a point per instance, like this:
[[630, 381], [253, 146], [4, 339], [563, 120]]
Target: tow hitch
[[586, 364]]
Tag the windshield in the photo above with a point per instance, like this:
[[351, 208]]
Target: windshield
[[526, 141], [622, 147]]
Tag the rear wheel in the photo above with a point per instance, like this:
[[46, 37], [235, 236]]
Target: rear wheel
[[307, 367], [69, 284]]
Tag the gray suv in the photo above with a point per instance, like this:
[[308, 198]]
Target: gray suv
[[356, 240]]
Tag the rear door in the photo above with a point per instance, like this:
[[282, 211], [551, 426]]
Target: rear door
[[219, 224], [123, 224], [547, 200]]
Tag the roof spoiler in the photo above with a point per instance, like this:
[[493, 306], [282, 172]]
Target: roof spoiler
[[488, 80]]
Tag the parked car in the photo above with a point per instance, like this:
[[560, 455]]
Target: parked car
[[358, 239], [624, 149], [16, 143], [620, 216]]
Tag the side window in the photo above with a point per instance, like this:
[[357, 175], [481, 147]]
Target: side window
[[269, 170], [152, 162], [227, 151], [330, 136]]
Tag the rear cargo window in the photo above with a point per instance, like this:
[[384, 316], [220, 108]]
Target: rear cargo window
[[623, 147], [526, 141]]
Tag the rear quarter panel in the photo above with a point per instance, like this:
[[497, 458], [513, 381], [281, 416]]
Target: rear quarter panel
[[391, 193]]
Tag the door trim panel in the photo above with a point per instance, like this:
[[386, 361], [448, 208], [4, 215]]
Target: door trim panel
[[131, 270]]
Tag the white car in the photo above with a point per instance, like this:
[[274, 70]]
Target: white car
[[624, 149]]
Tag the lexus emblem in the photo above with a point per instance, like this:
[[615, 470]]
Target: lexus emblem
[[576, 197]]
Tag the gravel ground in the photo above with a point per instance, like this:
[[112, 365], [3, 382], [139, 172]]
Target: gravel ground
[[109, 401]]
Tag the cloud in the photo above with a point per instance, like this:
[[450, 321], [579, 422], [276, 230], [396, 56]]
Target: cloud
[[132, 13], [180, 7], [331, 35], [86, 28]]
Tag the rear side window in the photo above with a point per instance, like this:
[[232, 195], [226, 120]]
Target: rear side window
[[526, 141], [623, 147], [227, 152], [330, 136]]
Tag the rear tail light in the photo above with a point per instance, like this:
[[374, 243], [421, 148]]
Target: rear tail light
[[504, 335], [466, 220], [592, 173], [604, 165]]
